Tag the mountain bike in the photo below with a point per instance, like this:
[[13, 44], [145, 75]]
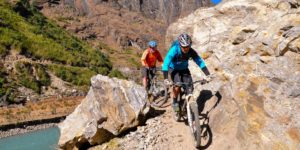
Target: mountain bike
[[188, 109], [157, 90]]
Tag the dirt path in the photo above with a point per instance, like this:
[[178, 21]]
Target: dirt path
[[161, 132], [179, 132]]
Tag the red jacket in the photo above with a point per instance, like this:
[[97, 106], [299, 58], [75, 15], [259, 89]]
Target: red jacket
[[149, 59]]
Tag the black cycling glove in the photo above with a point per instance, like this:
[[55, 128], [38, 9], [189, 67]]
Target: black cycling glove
[[205, 70]]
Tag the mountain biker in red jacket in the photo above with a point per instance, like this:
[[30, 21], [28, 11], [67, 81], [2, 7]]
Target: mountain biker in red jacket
[[149, 58], [176, 62]]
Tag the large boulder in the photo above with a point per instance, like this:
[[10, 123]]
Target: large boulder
[[253, 48], [110, 107]]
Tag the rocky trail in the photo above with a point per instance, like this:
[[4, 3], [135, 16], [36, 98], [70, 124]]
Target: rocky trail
[[161, 131]]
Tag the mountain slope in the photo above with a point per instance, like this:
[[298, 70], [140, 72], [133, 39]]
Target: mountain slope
[[126, 26], [33, 50]]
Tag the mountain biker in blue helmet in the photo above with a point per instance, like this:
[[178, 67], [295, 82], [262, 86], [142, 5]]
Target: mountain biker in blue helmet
[[176, 62]]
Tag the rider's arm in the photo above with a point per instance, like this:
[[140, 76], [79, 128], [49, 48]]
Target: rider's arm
[[167, 61], [200, 62], [159, 58], [143, 59]]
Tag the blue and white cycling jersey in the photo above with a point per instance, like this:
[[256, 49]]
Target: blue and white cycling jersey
[[177, 60]]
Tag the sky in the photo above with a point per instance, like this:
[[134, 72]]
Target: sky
[[216, 1]]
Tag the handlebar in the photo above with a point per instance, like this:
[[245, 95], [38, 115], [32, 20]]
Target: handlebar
[[202, 81], [155, 69]]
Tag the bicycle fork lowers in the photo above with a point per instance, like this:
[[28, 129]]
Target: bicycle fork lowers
[[189, 109]]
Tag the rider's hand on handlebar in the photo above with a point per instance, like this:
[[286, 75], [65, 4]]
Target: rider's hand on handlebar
[[167, 82], [208, 78]]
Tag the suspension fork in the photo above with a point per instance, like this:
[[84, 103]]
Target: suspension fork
[[188, 108]]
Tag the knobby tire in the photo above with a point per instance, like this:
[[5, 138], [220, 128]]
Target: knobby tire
[[195, 124]]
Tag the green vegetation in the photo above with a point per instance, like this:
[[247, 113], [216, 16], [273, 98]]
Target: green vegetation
[[32, 76], [116, 73], [25, 30], [42, 75], [6, 89], [3, 51], [2, 81], [135, 63], [75, 75], [106, 47]]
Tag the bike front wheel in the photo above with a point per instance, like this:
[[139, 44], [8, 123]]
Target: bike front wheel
[[193, 120], [160, 94]]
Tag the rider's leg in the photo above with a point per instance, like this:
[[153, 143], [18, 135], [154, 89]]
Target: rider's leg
[[145, 78], [187, 78], [151, 74], [176, 89], [145, 82]]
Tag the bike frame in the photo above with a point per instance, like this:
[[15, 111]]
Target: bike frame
[[188, 97], [189, 108]]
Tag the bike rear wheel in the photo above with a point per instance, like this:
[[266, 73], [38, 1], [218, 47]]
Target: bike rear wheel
[[193, 120]]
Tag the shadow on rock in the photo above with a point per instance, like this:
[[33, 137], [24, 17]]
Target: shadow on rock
[[151, 114], [207, 96], [154, 113]]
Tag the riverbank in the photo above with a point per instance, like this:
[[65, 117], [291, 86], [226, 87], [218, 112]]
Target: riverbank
[[25, 129], [29, 126], [41, 110], [15, 120], [45, 139]]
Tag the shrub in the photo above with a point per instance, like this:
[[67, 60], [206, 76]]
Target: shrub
[[27, 78], [3, 51], [43, 76], [134, 62], [6, 88], [116, 73], [2, 90], [76, 75]]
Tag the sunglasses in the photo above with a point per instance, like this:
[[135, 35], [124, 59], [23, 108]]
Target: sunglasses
[[186, 47]]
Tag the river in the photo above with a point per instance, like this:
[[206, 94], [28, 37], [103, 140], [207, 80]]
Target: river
[[45, 139]]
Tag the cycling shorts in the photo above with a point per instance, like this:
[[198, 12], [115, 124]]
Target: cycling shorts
[[183, 76], [146, 72]]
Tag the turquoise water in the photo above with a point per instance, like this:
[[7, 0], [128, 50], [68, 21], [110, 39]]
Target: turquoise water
[[45, 139]]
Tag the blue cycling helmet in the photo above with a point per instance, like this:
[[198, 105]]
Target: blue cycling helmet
[[152, 44]]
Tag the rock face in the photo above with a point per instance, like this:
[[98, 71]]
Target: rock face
[[253, 48], [110, 107], [117, 27], [164, 10], [119, 23]]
